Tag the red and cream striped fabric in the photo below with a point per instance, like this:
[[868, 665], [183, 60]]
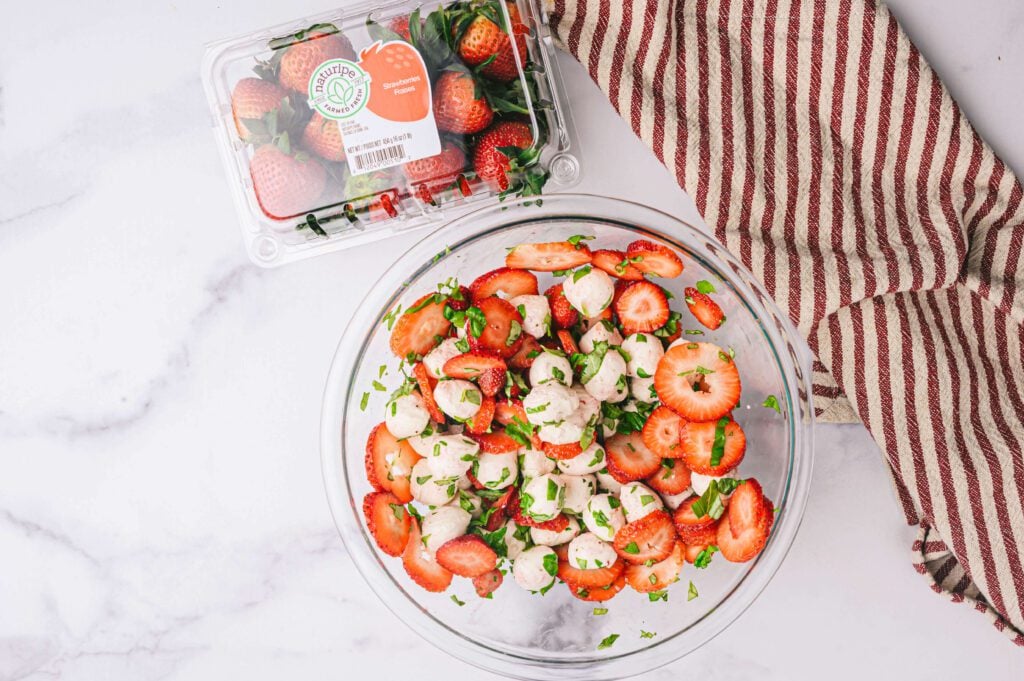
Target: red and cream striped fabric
[[824, 152]]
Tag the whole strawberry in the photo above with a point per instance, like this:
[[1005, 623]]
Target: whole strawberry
[[458, 106], [323, 137], [400, 26], [485, 39], [286, 184], [300, 60], [436, 173], [491, 160], [252, 99]]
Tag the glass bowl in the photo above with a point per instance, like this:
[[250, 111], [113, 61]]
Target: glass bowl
[[539, 637]]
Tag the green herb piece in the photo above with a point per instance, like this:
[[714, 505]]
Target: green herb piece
[[646, 499], [580, 273], [515, 330], [363, 402], [705, 287], [718, 448], [693, 332], [608, 641], [390, 317], [647, 634], [772, 402], [632, 548], [577, 238], [471, 396], [703, 558], [477, 321], [656, 596], [641, 373], [552, 490], [593, 361], [600, 611], [456, 601], [551, 564], [379, 387], [691, 593]]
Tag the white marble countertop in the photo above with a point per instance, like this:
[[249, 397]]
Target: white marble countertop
[[161, 507]]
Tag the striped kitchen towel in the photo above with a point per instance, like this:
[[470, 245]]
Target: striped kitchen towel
[[825, 153]]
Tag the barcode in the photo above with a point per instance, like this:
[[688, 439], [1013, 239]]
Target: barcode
[[379, 157]]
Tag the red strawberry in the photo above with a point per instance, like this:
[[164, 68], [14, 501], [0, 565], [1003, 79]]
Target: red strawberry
[[467, 556], [492, 164], [426, 383], [491, 382], [487, 583], [460, 301], [661, 433], [642, 307], [503, 331], [484, 38], [389, 463], [672, 478], [418, 329], [388, 521], [698, 439], [495, 443], [562, 452], [644, 578], [419, 565], [251, 99], [435, 174], [693, 530], [694, 550], [655, 259], [480, 422], [509, 282], [301, 59], [506, 410], [567, 341], [598, 594], [528, 352], [400, 26], [323, 138], [472, 365], [745, 527], [698, 381], [456, 105], [594, 578], [548, 257], [652, 537], [629, 459], [616, 263], [286, 185], [515, 511], [563, 314], [705, 310]]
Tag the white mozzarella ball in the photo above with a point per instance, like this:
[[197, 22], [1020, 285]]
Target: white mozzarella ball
[[542, 497], [674, 501], [645, 351], [429, 489], [589, 407], [590, 460], [609, 383], [606, 482], [542, 537], [589, 290], [436, 358], [590, 552], [562, 433], [442, 525], [550, 367], [536, 313], [603, 516], [600, 330], [642, 389], [406, 416], [535, 568], [465, 482], [533, 462], [450, 455], [549, 403], [458, 398], [514, 545], [639, 500], [497, 470], [578, 490]]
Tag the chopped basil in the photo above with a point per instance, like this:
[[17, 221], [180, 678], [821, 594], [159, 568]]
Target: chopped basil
[[558, 374], [608, 641], [580, 273], [593, 361], [398, 510], [600, 611], [652, 578], [515, 330], [693, 332], [692, 593], [577, 238], [456, 601], [551, 564], [598, 457], [646, 499], [379, 387], [472, 396], [614, 502], [390, 317], [538, 409], [647, 634], [703, 558], [477, 321], [641, 373], [582, 562], [462, 345], [632, 548], [363, 402], [552, 490], [422, 479], [718, 448], [705, 287], [656, 596], [600, 519], [772, 402]]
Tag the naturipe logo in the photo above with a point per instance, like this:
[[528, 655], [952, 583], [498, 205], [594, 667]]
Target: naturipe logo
[[339, 89]]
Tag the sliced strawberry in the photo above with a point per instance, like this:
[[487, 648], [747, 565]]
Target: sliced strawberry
[[694, 550], [562, 452], [389, 463], [642, 308], [528, 351], [661, 433], [595, 578], [495, 443], [503, 328], [515, 511], [616, 263], [487, 583], [563, 314], [473, 481], [460, 301], [418, 331], [505, 410], [420, 566], [480, 422], [548, 257], [504, 280], [388, 521], [705, 310], [672, 478], [467, 556], [472, 365], [650, 538], [629, 459], [739, 542], [427, 383], [646, 578], [691, 529], [698, 381], [598, 594], [697, 439], [652, 258], [492, 381], [501, 508], [568, 343], [747, 505]]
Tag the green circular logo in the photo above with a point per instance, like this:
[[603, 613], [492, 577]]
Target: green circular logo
[[339, 89]]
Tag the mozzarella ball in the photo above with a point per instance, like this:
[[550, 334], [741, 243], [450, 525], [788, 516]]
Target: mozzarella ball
[[513, 544], [590, 552], [589, 290], [535, 568], [469, 502], [590, 460], [578, 490], [542, 537], [607, 483], [443, 525], [550, 367], [603, 516], [541, 498], [536, 313], [533, 462], [450, 455], [639, 500], [465, 482], [609, 383], [496, 471], [645, 351], [436, 358], [457, 398], [674, 501], [549, 403], [406, 416], [423, 443], [562, 433], [428, 489], [589, 406], [700, 483], [600, 330], [642, 389]]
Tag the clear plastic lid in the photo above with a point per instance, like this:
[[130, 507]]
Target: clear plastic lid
[[355, 125]]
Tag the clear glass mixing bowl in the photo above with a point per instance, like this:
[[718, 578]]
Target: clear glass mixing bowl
[[556, 636]]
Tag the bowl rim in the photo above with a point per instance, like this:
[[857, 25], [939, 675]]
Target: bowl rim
[[783, 340]]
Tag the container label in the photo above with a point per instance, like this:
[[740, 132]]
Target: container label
[[382, 104]]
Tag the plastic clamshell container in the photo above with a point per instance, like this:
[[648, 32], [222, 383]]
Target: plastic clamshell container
[[322, 129]]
